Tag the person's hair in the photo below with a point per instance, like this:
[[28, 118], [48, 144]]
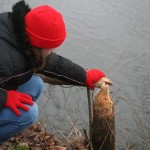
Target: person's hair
[[33, 54]]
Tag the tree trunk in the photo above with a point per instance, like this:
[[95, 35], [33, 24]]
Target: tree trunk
[[103, 126]]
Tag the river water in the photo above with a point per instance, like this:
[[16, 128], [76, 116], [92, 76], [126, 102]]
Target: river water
[[114, 36]]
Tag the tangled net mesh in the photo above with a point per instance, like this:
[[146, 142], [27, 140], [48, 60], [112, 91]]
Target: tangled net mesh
[[65, 112]]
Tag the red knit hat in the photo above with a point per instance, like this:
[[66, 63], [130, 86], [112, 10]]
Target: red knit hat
[[45, 27]]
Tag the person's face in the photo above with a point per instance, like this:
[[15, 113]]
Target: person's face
[[46, 51]]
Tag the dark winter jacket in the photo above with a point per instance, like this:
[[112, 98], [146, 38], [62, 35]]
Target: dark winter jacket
[[14, 67]]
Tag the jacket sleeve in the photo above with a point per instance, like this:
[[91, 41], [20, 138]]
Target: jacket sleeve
[[63, 69], [3, 97], [6, 70]]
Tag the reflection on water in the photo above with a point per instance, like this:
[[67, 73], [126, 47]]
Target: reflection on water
[[112, 35]]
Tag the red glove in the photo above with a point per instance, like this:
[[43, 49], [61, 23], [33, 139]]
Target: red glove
[[17, 100], [92, 76]]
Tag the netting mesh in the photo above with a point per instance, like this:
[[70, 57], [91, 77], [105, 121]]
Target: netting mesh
[[65, 111]]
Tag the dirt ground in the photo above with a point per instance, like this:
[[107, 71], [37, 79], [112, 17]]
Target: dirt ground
[[36, 138]]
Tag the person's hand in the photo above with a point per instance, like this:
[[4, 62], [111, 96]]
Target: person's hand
[[17, 100], [93, 76]]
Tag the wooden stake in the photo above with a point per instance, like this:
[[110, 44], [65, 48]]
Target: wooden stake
[[90, 104]]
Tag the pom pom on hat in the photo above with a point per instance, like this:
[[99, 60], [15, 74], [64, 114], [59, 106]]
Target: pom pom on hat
[[45, 27]]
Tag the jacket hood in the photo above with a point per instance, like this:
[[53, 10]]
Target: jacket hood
[[6, 30]]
